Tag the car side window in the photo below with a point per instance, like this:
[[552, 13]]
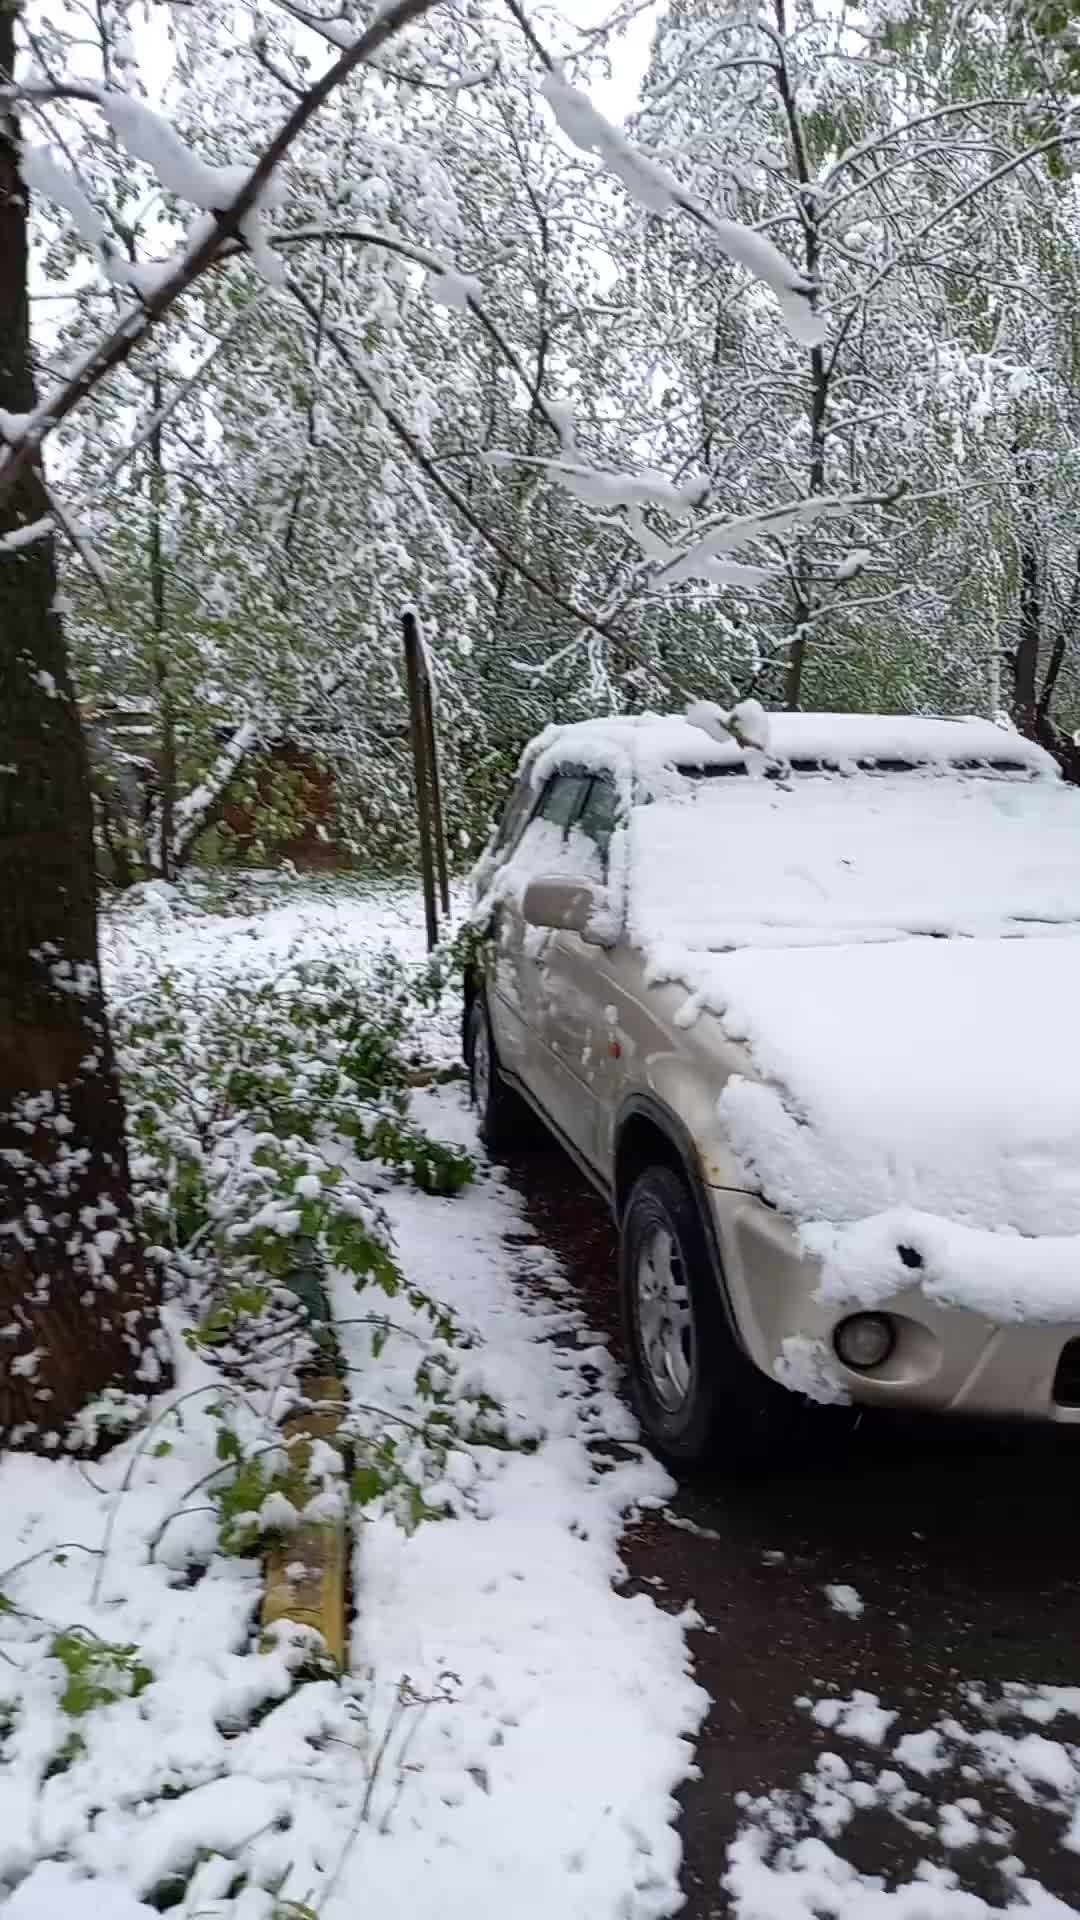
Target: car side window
[[514, 817], [561, 799], [599, 814], [543, 842]]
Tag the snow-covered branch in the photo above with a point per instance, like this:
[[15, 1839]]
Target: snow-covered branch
[[893, 136], [67, 519], [192, 813], [702, 558], [447, 287], [656, 189], [608, 490], [911, 245], [429, 468], [153, 139]]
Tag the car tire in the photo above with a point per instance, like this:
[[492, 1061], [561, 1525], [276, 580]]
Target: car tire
[[700, 1401], [498, 1109]]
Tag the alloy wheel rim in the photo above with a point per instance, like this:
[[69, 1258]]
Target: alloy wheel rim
[[665, 1320]]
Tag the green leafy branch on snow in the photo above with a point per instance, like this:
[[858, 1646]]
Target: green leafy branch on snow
[[267, 1125]]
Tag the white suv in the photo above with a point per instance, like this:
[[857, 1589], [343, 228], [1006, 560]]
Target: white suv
[[806, 1009]]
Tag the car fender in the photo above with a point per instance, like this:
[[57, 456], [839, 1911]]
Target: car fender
[[679, 1089], [680, 1139]]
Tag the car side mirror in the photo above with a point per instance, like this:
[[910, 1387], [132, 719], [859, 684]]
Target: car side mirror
[[565, 905]]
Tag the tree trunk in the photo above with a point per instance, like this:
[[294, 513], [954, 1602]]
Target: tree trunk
[[166, 716], [804, 604], [1031, 706], [1025, 663], [802, 585], [75, 1299]]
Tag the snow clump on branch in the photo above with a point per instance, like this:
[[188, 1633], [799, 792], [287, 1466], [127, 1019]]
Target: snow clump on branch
[[658, 191], [747, 723], [45, 175], [149, 137]]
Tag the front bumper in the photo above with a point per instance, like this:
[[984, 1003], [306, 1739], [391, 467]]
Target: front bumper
[[944, 1360]]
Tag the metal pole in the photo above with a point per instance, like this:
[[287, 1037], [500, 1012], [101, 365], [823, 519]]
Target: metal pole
[[414, 674], [437, 821]]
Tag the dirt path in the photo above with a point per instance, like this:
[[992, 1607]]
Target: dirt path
[[963, 1544]]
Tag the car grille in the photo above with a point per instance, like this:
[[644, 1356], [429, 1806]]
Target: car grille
[[1067, 1377]]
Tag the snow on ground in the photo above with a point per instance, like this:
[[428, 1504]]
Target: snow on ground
[[91, 1554], [790, 1860], [544, 1776], [264, 922], [512, 1729]]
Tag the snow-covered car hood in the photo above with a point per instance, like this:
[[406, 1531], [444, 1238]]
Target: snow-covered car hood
[[939, 1074], [931, 1074], [921, 1095], [824, 860]]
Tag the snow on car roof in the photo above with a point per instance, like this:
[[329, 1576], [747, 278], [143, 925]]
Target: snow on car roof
[[645, 745]]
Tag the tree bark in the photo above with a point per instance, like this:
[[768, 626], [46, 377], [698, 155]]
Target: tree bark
[[819, 373], [1025, 663], [804, 604], [1031, 707], [1066, 635], [76, 1303], [166, 716]]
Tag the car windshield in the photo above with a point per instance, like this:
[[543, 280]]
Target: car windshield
[[817, 856]]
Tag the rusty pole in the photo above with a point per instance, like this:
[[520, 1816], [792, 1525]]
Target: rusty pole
[[438, 822], [415, 677]]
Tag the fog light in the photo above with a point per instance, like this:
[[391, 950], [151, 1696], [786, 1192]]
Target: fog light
[[865, 1340]]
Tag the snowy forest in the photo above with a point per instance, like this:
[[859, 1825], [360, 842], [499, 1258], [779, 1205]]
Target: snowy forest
[[701, 351], [482, 350]]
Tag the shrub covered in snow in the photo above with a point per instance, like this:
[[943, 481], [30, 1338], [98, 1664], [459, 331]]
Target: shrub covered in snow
[[265, 1124]]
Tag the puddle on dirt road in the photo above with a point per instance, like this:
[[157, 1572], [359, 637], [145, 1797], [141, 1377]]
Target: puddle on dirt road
[[963, 1545]]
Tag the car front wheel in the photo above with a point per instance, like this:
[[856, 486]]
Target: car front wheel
[[498, 1112], [698, 1398]]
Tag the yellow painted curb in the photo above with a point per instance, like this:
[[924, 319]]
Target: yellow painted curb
[[318, 1598]]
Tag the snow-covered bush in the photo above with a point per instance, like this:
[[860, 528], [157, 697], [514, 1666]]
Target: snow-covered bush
[[264, 1126]]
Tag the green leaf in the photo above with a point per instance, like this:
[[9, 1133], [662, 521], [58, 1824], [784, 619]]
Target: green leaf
[[366, 1484]]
